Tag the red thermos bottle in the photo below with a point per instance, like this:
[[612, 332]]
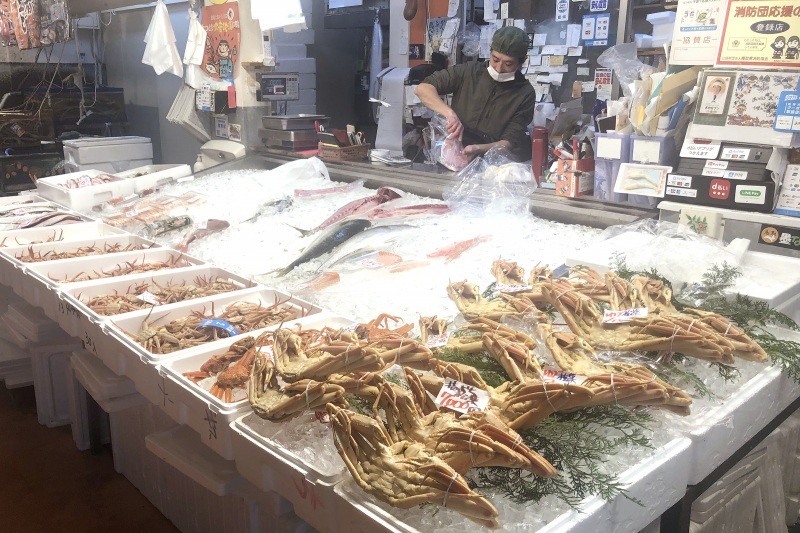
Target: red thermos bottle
[[538, 152]]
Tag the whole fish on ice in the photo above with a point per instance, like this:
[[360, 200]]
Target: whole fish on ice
[[368, 241], [326, 241], [357, 207], [272, 207], [209, 227]]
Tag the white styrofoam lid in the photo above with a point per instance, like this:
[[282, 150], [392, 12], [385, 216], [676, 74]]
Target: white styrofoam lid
[[181, 448], [100, 382], [735, 214], [102, 141]]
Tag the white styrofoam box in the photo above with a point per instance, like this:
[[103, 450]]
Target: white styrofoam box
[[57, 274], [150, 176], [300, 37], [32, 323], [67, 232], [22, 198], [22, 377], [729, 426], [289, 51], [301, 66], [189, 403], [101, 383], [307, 97], [109, 167], [74, 310], [12, 357], [261, 464], [100, 149], [82, 198], [181, 448], [48, 300], [122, 354], [778, 285], [9, 333], [50, 386]]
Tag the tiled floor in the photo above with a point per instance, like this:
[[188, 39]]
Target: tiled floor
[[46, 484]]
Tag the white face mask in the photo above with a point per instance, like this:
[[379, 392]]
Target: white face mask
[[501, 77]]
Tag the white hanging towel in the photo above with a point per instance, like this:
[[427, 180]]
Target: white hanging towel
[[193, 56], [286, 14], [161, 52]]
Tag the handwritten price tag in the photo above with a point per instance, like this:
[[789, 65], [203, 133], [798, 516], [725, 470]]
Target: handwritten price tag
[[149, 298], [84, 181], [202, 224], [626, 315], [461, 397], [437, 341], [554, 375]]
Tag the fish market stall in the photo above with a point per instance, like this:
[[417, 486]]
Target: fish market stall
[[327, 323]]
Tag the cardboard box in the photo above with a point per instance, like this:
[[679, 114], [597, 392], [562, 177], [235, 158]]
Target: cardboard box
[[575, 178], [757, 196]]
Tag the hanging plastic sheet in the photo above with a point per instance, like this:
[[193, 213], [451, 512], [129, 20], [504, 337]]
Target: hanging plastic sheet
[[195, 48], [161, 52]]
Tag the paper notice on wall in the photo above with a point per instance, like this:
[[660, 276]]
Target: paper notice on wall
[[573, 34], [487, 32], [452, 7], [763, 33], [695, 37], [539, 39], [602, 83], [488, 11], [562, 10], [449, 35], [504, 10]]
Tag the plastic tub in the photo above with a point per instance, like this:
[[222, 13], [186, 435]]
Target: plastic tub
[[82, 198]]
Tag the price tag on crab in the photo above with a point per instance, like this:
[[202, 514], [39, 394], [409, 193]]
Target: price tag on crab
[[555, 375], [84, 181], [437, 341], [511, 289], [624, 315], [461, 397], [220, 324], [149, 297]]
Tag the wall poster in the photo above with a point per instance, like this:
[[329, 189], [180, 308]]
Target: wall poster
[[698, 25], [761, 33], [221, 23]]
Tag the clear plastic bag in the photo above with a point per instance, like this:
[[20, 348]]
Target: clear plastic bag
[[444, 149], [471, 40], [623, 61], [676, 252], [494, 182]]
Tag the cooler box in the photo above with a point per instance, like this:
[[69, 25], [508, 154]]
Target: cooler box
[[109, 154], [611, 150]]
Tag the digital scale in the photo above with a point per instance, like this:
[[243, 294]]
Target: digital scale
[[278, 86]]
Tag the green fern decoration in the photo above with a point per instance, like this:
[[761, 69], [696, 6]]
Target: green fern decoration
[[487, 366]]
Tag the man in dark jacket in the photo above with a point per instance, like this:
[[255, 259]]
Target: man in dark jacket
[[492, 103]]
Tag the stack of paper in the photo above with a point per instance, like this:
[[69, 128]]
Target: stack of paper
[[183, 113]]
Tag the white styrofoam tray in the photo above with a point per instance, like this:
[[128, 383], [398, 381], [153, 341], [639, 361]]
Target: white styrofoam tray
[[20, 199], [100, 382], [150, 176], [67, 232], [45, 289], [74, 310], [123, 355], [96, 149], [23, 283], [313, 497], [191, 404], [82, 198], [109, 167]]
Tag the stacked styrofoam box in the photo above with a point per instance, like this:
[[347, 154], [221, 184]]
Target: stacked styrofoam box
[[750, 493], [108, 154], [15, 361], [111, 392], [50, 363], [663, 24]]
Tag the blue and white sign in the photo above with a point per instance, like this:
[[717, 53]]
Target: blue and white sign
[[598, 5], [787, 117]]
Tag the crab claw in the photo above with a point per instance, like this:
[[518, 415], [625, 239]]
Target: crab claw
[[403, 474]]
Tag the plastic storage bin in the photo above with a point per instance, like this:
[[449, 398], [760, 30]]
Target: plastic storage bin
[[611, 150], [651, 151]]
